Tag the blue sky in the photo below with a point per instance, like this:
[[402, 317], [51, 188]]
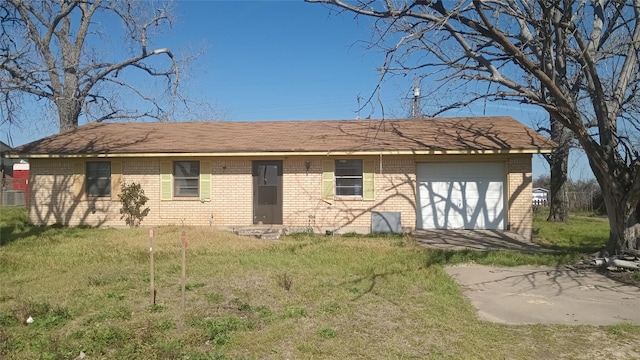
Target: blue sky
[[281, 60], [288, 60]]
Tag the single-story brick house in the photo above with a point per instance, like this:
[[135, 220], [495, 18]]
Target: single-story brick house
[[471, 173]]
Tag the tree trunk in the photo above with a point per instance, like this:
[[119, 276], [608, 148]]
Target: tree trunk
[[69, 112], [620, 195], [559, 163], [623, 223], [621, 212], [559, 207]]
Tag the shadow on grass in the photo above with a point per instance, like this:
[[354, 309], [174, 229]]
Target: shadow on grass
[[584, 249], [366, 284], [302, 240], [15, 225], [11, 233], [372, 279], [499, 257], [374, 235]]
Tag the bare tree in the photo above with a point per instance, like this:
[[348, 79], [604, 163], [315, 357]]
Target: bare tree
[[559, 164], [56, 50], [576, 59], [542, 181]]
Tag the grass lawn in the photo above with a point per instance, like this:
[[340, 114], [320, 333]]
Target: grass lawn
[[297, 298], [582, 233]]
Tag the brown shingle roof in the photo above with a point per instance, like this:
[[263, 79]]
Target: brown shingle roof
[[459, 135]]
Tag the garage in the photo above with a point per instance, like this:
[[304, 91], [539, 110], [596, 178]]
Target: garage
[[461, 196]]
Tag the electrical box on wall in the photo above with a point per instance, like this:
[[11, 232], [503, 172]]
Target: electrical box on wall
[[386, 222]]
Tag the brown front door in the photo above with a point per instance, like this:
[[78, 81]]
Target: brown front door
[[267, 192]]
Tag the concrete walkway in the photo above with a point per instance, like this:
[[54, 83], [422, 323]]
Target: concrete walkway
[[547, 295], [480, 240]]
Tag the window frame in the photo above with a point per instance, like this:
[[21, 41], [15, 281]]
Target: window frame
[[92, 178], [358, 187], [179, 189]]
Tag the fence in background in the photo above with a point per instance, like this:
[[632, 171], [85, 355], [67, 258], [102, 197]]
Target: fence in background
[[577, 200], [14, 198]]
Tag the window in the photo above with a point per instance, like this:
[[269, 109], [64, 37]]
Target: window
[[186, 178], [348, 176], [98, 178]]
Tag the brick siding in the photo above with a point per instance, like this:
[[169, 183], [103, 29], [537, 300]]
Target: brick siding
[[519, 190], [231, 204]]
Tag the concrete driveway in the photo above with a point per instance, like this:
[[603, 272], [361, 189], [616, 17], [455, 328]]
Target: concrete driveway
[[547, 295], [479, 240]]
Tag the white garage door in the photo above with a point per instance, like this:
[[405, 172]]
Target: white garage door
[[461, 196]]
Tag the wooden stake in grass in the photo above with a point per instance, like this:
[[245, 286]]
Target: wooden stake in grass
[[184, 265], [152, 268]]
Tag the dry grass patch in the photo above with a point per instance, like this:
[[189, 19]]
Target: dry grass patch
[[300, 297]]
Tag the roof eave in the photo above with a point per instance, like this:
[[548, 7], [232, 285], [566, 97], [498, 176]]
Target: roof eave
[[291, 153]]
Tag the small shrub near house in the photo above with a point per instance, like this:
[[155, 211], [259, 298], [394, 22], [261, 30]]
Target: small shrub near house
[[133, 199]]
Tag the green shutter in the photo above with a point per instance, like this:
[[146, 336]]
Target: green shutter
[[78, 180], [205, 180], [368, 174], [166, 190], [328, 168], [116, 178]]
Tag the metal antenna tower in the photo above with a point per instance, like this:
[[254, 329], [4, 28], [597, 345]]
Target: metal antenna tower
[[415, 106]]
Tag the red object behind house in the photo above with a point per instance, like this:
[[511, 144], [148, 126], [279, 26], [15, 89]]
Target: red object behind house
[[21, 179]]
